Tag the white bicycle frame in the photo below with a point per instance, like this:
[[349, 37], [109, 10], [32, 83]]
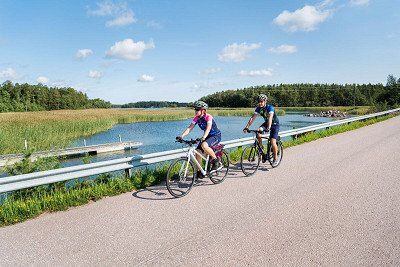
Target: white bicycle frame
[[191, 157]]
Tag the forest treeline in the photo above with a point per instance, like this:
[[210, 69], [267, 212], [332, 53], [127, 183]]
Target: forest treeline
[[312, 95], [26, 97], [153, 104]]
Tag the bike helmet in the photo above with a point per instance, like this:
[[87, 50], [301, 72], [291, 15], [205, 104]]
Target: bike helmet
[[262, 97], [200, 105]]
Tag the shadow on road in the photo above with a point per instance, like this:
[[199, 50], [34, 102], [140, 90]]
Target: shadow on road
[[160, 192]]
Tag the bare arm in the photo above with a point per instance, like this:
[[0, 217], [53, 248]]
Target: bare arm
[[188, 130], [251, 120], [271, 116], [207, 131]]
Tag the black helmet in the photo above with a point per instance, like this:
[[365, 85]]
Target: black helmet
[[200, 105], [262, 97]]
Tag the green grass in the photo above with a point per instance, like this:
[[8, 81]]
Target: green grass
[[57, 129], [29, 203]]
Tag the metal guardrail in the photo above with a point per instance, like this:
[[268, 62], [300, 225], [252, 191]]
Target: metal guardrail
[[17, 182]]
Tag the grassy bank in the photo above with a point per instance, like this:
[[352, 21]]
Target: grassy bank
[[25, 204], [48, 129], [56, 129]]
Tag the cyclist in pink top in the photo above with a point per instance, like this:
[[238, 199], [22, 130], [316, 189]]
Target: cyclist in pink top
[[211, 136]]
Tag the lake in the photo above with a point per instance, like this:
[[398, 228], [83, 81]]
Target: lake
[[160, 136]]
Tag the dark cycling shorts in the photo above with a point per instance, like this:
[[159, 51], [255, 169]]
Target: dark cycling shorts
[[211, 141], [273, 132]]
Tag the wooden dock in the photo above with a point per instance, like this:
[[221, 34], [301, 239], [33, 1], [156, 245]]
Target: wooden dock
[[72, 152]]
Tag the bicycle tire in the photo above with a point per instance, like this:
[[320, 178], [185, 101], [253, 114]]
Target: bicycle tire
[[271, 155], [178, 185], [250, 160], [219, 176]]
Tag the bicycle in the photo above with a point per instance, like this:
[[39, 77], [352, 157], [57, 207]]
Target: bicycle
[[252, 155], [182, 173]]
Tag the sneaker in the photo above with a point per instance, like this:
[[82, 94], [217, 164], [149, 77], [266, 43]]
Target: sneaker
[[199, 175], [215, 165], [264, 157], [275, 163]]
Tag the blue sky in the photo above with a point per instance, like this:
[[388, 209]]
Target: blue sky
[[176, 50]]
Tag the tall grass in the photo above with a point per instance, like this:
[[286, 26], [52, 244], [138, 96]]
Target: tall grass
[[29, 203], [56, 129]]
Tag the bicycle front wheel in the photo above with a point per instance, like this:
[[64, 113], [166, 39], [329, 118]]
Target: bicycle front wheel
[[250, 160], [220, 175], [271, 154], [180, 177]]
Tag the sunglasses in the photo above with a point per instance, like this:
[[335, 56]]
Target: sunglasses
[[197, 109]]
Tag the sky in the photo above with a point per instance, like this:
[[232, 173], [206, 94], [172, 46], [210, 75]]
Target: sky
[[181, 50]]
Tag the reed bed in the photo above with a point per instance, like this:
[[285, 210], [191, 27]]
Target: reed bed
[[56, 129], [45, 130]]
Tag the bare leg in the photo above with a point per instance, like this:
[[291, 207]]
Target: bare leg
[[274, 148], [208, 150], [259, 136]]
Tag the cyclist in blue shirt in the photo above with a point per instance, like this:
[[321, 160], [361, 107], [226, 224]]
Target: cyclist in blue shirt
[[271, 124]]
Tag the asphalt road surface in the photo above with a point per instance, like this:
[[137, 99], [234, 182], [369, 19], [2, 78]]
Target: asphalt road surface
[[334, 201]]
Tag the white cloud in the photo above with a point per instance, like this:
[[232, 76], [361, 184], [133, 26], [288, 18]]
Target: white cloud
[[122, 20], [145, 78], [283, 49], [359, 2], [83, 53], [237, 52], [121, 13], [42, 80], [128, 49], [253, 73], [9, 74], [95, 74], [304, 19], [210, 71]]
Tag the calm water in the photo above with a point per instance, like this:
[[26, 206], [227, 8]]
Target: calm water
[[160, 136]]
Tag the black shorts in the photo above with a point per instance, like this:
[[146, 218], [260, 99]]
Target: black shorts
[[273, 132], [211, 141]]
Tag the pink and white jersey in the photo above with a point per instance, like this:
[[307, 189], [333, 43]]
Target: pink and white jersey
[[203, 121]]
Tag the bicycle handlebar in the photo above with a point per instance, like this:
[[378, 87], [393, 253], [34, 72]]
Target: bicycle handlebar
[[189, 142], [256, 131]]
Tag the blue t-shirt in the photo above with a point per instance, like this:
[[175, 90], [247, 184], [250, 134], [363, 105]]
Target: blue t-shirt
[[265, 111], [203, 121]]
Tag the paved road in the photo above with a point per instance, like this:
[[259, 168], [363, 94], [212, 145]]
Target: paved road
[[333, 201]]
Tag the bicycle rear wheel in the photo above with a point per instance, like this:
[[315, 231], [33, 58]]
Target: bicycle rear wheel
[[180, 177], [220, 175], [250, 160], [271, 154]]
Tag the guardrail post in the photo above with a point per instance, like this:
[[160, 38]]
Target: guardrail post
[[84, 142], [120, 139], [128, 173]]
